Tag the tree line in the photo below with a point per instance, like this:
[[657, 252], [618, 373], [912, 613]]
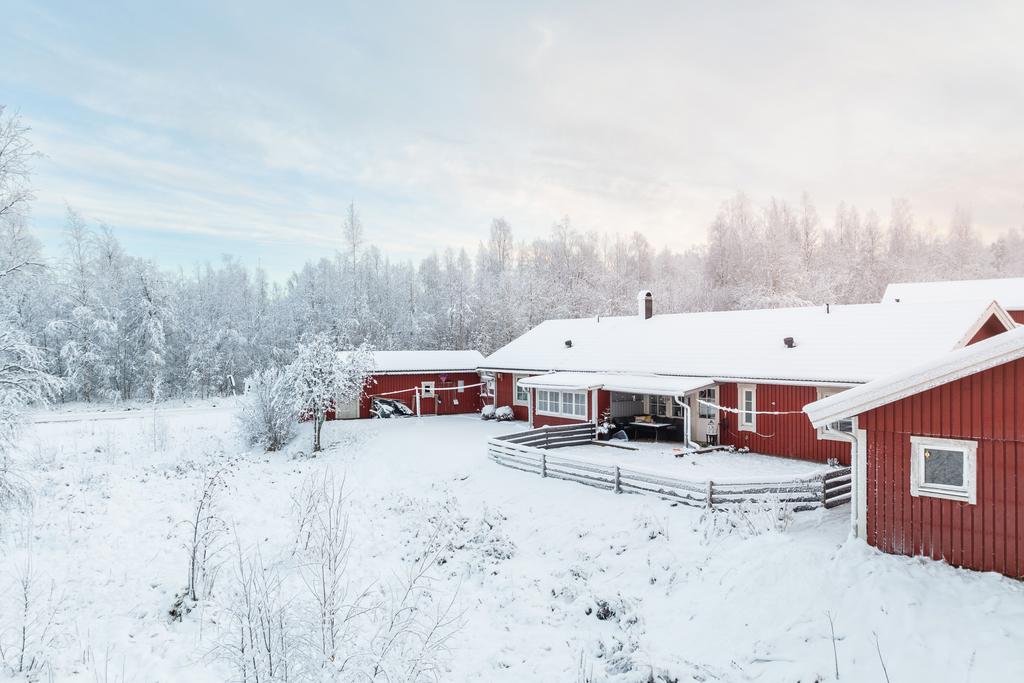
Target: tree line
[[114, 326]]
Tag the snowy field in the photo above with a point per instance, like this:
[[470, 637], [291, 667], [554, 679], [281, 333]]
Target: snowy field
[[536, 579]]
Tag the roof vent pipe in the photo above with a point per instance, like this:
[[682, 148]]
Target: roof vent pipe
[[827, 311], [645, 304], [568, 343], [788, 341]]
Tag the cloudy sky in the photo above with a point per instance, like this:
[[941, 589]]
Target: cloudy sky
[[199, 128]]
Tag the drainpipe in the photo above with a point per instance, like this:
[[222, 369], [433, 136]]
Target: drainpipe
[[854, 484], [688, 439]]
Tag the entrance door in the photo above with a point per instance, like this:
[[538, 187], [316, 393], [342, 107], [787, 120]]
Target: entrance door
[[704, 417]]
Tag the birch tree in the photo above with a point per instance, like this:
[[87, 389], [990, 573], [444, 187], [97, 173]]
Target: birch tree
[[322, 378]]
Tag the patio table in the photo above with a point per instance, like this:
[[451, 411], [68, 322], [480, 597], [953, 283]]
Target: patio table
[[656, 426]]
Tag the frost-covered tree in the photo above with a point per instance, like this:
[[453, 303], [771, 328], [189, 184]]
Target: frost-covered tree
[[267, 414], [322, 377]]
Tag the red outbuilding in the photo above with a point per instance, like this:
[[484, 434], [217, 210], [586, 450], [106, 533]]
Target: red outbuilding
[[428, 382], [939, 468]]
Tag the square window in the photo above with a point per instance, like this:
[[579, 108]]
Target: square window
[[427, 390], [943, 468]]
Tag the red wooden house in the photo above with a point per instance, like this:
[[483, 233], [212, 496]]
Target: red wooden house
[[940, 456], [743, 375], [429, 382]]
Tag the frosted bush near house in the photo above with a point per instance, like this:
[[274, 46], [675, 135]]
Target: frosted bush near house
[[752, 518], [504, 414], [266, 414]]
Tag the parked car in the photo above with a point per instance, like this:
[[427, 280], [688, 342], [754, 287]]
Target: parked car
[[389, 407]]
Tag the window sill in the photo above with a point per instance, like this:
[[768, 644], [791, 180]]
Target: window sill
[[961, 496], [581, 418]]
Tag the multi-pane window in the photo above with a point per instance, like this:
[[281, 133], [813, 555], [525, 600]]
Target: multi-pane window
[[748, 407], [707, 399], [943, 468], [562, 403], [522, 393], [657, 405]]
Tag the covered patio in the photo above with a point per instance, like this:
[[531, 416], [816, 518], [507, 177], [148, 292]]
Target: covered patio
[[653, 408]]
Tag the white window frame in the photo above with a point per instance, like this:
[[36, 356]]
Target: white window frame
[[741, 424], [824, 433], [426, 389], [651, 402], [462, 386], [516, 401], [561, 412], [968, 493]]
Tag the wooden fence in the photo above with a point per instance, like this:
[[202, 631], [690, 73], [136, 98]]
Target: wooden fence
[[529, 452]]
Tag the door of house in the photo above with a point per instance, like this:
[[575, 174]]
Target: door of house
[[704, 417]]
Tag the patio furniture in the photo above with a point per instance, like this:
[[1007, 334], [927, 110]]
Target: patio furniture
[[656, 426]]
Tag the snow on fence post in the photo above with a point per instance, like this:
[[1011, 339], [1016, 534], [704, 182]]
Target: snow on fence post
[[824, 492], [618, 487], [543, 464], [710, 493]]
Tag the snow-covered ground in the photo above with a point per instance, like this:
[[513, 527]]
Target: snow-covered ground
[[551, 581], [720, 466]]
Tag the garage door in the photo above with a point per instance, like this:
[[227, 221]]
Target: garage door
[[348, 411]]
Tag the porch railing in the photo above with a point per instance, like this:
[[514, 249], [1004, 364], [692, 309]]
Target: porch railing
[[529, 451]]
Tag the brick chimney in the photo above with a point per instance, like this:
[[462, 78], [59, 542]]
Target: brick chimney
[[645, 304]]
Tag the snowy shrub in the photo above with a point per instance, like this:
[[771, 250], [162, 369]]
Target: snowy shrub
[[752, 518], [203, 545], [260, 637], [266, 414], [469, 543], [29, 610], [487, 412], [504, 414]]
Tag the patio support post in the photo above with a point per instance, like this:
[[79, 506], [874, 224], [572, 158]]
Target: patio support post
[[543, 464], [618, 485], [711, 487]]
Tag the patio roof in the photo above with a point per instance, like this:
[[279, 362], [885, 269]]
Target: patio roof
[[664, 385]]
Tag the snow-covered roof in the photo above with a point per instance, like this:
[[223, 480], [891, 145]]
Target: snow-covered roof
[[1007, 291], [426, 361], [945, 368], [624, 383], [839, 344]]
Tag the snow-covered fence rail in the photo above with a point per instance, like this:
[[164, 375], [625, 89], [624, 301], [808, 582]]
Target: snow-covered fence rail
[[528, 451]]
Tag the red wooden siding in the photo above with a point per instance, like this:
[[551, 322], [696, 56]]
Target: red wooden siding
[[505, 394], [987, 407], [444, 404], [991, 328], [790, 436], [1018, 316]]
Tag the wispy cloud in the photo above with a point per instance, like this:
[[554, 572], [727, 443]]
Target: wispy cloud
[[257, 128]]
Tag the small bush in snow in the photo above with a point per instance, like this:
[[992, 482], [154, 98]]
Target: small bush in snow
[[487, 413], [753, 518], [504, 414], [267, 414]]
